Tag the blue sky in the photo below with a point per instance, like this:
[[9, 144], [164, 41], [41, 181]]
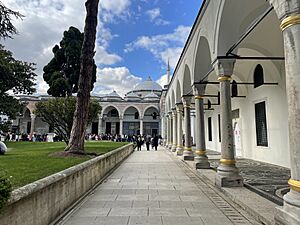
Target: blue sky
[[135, 37]]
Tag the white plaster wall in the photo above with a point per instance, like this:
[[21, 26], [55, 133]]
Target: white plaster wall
[[276, 111]]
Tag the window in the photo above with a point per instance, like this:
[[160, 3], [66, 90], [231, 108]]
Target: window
[[234, 89], [136, 115], [219, 123], [261, 124], [209, 129], [208, 104], [114, 113], [154, 115], [258, 76]]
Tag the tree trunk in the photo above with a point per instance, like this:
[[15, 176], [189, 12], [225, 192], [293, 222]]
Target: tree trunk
[[76, 142]]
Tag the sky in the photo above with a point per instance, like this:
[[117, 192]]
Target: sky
[[135, 38]]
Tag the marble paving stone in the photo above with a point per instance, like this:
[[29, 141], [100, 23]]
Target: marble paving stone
[[168, 220], [103, 191], [164, 198], [124, 191], [92, 212], [103, 197], [149, 192], [118, 204], [172, 204], [93, 204], [136, 197], [167, 212], [80, 221], [151, 188], [128, 212], [145, 204], [111, 220], [145, 220]]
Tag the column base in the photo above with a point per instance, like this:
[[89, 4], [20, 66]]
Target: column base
[[170, 146], [188, 155], [201, 160], [174, 148], [179, 151], [290, 212], [202, 163], [228, 176]]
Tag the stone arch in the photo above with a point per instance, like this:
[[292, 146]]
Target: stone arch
[[132, 106], [235, 17], [178, 93], [149, 113], [131, 110], [173, 101], [108, 108], [187, 81], [202, 60]]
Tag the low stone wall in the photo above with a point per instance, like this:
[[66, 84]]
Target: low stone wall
[[41, 202]]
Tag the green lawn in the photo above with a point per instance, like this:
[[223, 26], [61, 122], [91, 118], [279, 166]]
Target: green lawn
[[26, 162]]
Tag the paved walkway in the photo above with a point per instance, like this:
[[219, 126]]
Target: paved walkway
[[153, 187]]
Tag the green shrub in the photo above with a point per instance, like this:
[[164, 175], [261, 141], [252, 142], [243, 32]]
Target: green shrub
[[5, 190]]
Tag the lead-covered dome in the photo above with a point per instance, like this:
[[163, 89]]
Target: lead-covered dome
[[148, 85], [151, 97]]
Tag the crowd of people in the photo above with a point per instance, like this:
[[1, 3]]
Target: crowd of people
[[149, 141]]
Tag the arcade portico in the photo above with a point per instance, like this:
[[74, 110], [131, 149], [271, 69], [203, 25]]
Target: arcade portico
[[239, 72]]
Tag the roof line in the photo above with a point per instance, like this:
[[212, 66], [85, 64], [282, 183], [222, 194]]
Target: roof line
[[188, 40]]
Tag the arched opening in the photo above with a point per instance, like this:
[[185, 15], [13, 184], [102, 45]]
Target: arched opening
[[258, 76], [151, 122], [234, 89], [136, 115], [131, 121], [111, 120]]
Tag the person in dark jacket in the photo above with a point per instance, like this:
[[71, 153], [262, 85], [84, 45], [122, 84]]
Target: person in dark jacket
[[155, 142], [139, 143]]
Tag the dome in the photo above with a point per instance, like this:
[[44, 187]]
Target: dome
[[113, 95], [148, 85], [151, 96], [132, 97]]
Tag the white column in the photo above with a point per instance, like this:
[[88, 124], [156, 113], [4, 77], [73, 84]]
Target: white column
[[193, 127], [121, 126], [141, 127], [179, 149], [33, 116], [100, 125], [227, 174], [188, 152], [288, 11]]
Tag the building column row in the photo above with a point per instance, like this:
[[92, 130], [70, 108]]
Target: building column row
[[174, 129], [288, 12]]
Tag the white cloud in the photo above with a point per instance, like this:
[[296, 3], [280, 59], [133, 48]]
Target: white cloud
[[154, 16], [163, 46], [104, 58], [163, 80], [44, 24], [112, 9], [153, 13], [119, 79]]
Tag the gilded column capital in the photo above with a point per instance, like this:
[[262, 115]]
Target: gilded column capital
[[294, 184], [290, 21], [224, 78]]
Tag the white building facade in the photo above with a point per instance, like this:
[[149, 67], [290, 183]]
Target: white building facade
[[239, 73]]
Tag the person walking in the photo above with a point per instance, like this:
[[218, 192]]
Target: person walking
[[139, 143], [148, 141], [155, 142]]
